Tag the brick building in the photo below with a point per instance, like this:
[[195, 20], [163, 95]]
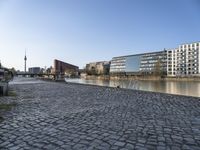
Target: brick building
[[63, 68]]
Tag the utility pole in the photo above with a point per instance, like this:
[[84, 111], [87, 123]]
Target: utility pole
[[25, 59]]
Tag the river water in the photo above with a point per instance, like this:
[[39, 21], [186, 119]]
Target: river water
[[188, 88]]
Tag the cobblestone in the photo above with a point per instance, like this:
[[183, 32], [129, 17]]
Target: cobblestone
[[50, 115]]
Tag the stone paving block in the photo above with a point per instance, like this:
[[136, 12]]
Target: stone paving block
[[129, 146], [120, 144]]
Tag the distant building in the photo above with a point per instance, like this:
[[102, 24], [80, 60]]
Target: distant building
[[1, 74], [63, 68], [25, 59], [34, 70], [139, 64], [98, 68]]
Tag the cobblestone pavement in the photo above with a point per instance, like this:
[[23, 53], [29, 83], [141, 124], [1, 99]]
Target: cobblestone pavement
[[51, 116]]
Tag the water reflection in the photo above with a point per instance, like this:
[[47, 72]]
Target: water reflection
[[189, 88]]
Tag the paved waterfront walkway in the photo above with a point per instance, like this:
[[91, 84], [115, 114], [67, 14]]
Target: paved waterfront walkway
[[54, 116]]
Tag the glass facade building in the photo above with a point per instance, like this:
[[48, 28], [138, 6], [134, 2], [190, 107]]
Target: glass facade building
[[152, 62], [118, 64], [140, 63]]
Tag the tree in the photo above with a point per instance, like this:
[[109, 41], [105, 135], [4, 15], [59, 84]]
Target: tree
[[13, 70], [159, 69]]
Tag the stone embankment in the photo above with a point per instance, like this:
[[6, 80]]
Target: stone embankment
[[137, 77], [50, 115]]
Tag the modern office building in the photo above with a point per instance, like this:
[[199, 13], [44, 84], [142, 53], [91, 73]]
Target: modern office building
[[181, 61], [155, 62], [118, 64], [139, 64]]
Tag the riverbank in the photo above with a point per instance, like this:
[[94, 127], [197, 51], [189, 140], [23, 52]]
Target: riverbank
[[51, 115], [146, 78]]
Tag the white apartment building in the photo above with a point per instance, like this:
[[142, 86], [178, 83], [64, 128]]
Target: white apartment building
[[184, 61]]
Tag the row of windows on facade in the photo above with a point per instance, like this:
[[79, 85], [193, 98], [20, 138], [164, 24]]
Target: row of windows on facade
[[118, 59], [187, 56], [183, 65], [181, 73], [116, 70], [150, 61], [183, 61], [182, 69], [187, 65], [177, 69], [153, 58], [180, 54], [153, 54], [118, 64], [186, 50], [118, 67], [188, 45], [188, 61], [115, 61], [187, 53], [152, 65], [186, 73]]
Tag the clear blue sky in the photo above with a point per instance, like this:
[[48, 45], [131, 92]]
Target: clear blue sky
[[82, 31]]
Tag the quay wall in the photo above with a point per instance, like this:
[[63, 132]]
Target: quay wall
[[107, 77]]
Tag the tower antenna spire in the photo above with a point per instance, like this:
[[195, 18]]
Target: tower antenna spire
[[25, 59]]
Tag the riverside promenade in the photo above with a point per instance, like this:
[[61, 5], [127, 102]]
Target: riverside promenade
[[56, 116]]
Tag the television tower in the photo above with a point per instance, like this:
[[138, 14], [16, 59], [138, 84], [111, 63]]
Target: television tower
[[25, 59]]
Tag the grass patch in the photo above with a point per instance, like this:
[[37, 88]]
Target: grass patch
[[12, 93], [6, 106]]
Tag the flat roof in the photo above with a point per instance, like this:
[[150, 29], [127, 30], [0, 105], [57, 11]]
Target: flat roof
[[141, 54], [98, 62], [65, 63], [156, 51], [189, 43]]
